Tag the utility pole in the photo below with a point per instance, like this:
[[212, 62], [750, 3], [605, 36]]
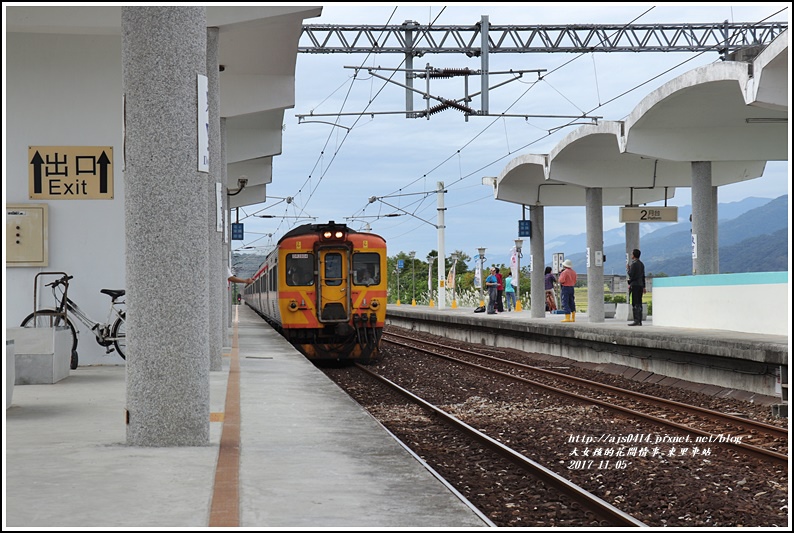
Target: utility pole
[[442, 275]]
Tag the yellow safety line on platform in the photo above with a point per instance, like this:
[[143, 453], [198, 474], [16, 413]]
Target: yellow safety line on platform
[[225, 508]]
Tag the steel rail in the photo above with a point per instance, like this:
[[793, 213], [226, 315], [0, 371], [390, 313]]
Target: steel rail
[[745, 423], [587, 499], [764, 454]]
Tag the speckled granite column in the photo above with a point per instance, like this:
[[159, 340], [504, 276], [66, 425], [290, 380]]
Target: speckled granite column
[[703, 219], [163, 51], [226, 253], [217, 278], [594, 215], [537, 290]]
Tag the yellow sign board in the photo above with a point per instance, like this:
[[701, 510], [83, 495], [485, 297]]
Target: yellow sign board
[[70, 172], [648, 214]]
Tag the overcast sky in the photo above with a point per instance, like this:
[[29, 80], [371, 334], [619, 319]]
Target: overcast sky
[[331, 172]]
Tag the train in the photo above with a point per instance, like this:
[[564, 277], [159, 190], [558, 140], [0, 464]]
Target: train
[[324, 288]]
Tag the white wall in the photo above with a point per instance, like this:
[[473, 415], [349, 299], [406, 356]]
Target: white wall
[[754, 302], [66, 90]]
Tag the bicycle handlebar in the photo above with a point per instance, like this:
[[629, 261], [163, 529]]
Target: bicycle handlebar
[[64, 280]]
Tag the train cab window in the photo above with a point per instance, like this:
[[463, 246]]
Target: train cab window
[[300, 269], [333, 269], [366, 269]]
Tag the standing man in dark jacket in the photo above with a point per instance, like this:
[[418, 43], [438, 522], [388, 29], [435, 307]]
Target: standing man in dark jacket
[[636, 275]]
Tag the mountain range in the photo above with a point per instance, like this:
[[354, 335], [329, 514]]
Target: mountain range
[[753, 237]]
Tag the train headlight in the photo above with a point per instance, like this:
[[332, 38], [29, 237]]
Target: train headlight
[[338, 234], [293, 305], [374, 304], [333, 233]]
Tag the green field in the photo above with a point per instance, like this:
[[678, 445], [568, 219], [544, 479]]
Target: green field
[[580, 296]]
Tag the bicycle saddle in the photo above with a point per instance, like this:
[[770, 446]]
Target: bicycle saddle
[[113, 293]]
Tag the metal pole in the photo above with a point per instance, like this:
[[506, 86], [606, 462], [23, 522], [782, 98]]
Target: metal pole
[[454, 258], [519, 243], [410, 25], [482, 273], [484, 28], [413, 282], [398, 284], [442, 292]]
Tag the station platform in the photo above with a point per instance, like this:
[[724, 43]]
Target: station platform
[[747, 366], [288, 449]]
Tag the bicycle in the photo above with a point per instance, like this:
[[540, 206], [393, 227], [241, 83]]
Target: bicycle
[[110, 336]]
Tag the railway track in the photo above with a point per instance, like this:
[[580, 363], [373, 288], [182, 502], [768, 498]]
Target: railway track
[[576, 506], [719, 487], [745, 435]]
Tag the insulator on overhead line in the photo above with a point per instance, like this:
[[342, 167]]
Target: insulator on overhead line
[[436, 109], [459, 107], [449, 72], [438, 74], [457, 71]]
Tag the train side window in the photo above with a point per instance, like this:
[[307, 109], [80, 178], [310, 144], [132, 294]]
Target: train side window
[[300, 269], [366, 268]]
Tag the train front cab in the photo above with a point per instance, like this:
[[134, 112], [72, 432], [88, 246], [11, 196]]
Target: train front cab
[[333, 294]]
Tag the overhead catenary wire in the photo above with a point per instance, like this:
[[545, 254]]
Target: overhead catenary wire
[[321, 155], [479, 170], [487, 127], [423, 204]]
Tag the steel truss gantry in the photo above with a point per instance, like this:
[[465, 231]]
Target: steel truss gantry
[[418, 40], [482, 39]]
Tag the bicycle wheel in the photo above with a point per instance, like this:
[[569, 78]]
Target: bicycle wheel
[[49, 318], [119, 333]]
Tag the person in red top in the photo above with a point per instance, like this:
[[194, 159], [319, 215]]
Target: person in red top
[[500, 292], [567, 281]]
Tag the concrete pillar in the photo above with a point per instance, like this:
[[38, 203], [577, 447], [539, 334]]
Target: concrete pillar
[[704, 238], [537, 291], [225, 249], [715, 250], [594, 216], [632, 242], [216, 288], [163, 52]]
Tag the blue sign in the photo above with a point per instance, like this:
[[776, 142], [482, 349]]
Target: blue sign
[[237, 231], [400, 264], [525, 228]]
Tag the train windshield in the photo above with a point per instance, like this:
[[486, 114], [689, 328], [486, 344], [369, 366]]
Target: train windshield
[[366, 269], [300, 269], [333, 268]]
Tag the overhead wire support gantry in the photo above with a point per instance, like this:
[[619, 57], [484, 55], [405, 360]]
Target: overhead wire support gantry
[[418, 40], [461, 104], [482, 39]]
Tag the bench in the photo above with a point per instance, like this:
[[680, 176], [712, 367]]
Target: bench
[[41, 355]]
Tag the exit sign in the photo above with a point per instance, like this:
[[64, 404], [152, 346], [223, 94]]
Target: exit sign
[[70, 172], [649, 214]]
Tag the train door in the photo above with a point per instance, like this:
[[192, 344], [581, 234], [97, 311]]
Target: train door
[[333, 292]]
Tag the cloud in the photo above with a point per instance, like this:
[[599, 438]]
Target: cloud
[[332, 172]]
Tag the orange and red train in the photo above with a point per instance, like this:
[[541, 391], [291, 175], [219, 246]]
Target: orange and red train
[[324, 289]]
